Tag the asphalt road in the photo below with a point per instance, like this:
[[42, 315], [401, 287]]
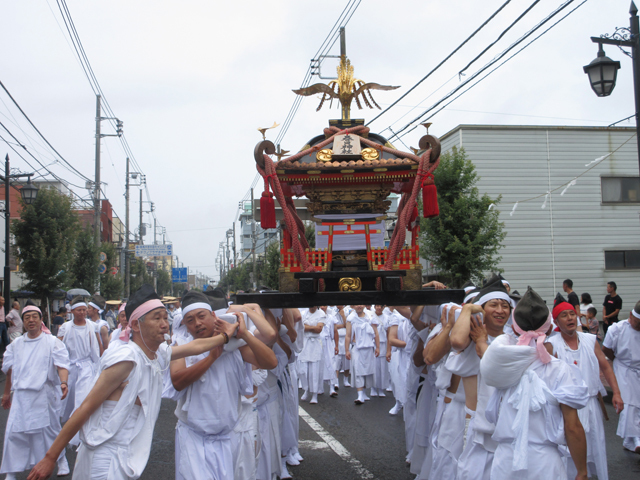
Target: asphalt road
[[346, 442]]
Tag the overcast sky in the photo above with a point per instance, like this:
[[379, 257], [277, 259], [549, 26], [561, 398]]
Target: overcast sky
[[193, 80]]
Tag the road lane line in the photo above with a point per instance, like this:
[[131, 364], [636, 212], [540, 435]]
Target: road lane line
[[335, 445]]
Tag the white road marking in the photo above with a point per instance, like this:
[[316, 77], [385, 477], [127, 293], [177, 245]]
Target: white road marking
[[313, 445], [335, 445]]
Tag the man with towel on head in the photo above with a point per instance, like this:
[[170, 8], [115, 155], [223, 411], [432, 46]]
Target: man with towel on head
[[212, 383], [583, 350], [622, 345], [37, 368], [81, 339], [117, 418], [122, 324], [495, 305], [534, 407]]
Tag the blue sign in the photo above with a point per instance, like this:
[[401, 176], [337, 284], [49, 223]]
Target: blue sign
[[179, 275]]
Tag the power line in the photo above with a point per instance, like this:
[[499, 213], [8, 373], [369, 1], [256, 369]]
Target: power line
[[404, 131], [493, 15]]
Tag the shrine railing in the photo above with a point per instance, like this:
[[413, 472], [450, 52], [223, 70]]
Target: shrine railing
[[407, 259]]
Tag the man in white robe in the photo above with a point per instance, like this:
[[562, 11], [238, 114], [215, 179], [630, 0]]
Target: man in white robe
[[366, 347], [330, 349], [494, 305], [310, 357], [122, 324], [622, 345], [213, 383], [536, 400], [582, 349], [381, 366], [81, 339], [398, 362], [95, 307], [37, 368], [341, 362], [117, 418]]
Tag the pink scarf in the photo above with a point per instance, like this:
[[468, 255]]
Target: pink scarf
[[142, 310], [539, 335]]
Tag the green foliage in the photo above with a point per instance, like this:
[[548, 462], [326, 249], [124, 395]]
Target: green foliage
[[310, 234], [238, 278], [269, 273], [139, 274], [111, 286], [45, 238], [462, 242], [164, 282], [178, 289], [85, 261]]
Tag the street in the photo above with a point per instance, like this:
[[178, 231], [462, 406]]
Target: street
[[340, 440]]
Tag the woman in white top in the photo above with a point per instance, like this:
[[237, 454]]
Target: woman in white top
[[585, 304]]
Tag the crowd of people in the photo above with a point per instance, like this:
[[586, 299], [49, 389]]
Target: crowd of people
[[491, 388]]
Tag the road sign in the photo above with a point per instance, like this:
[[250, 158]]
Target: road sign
[[102, 268], [179, 275], [154, 250]]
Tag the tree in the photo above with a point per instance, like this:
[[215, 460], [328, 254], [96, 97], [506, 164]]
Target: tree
[[45, 239], [86, 261], [111, 286], [270, 275], [310, 234], [139, 274], [238, 278], [164, 282], [462, 242]]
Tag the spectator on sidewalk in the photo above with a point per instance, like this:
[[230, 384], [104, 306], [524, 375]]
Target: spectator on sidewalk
[[572, 297], [58, 320], [585, 304], [14, 322], [612, 305], [4, 336]]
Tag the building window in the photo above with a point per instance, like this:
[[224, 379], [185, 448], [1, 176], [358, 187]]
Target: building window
[[620, 189], [621, 259]]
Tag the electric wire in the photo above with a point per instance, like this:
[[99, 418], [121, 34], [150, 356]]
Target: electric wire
[[495, 60], [491, 17]]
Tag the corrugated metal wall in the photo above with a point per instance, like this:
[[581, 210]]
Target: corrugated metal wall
[[568, 237]]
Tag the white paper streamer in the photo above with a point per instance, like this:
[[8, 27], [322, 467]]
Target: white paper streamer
[[491, 206], [515, 205], [544, 205], [571, 184], [598, 159]]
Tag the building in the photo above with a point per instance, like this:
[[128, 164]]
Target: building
[[588, 232], [263, 237], [87, 220]]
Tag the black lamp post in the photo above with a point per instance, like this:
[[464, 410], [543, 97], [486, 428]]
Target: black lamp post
[[29, 193], [603, 71]]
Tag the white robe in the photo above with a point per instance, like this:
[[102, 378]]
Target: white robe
[[398, 366], [590, 416], [381, 366], [116, 440], [207, 412], [310, 358], [328, 350], [525, 409], [34, 421], [362, 351], [84, 358], [625, 343]]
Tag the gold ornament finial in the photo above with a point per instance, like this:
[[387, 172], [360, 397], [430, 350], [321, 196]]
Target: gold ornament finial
[[264, 130], [346, 88]]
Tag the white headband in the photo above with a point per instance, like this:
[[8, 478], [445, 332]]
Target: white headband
[[470, 296], [79, 304], [195, 306], [469, 288], [494, 296], [635, 314], [96, 307]]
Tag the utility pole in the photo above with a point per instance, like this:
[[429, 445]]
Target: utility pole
[[155, 242], [127, 266], [235, 258], [253, 241], [96, 200], [141, 226]]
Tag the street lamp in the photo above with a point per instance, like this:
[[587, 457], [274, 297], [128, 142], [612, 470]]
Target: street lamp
[[603, 71], [29, 193]]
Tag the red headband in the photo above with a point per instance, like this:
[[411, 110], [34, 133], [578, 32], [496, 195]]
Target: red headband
[[561, 307]]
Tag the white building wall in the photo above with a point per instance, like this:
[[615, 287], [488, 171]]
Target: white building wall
[[567, 238]]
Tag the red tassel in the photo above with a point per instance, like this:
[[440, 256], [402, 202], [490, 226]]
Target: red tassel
[[430, 201], [267, 210]]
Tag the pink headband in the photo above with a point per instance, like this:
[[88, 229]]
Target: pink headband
[[538, 335], [31, 308], [141, 311], [121, 309]]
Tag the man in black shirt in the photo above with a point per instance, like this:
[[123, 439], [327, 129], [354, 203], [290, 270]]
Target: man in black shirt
[[572, 297], [612, 305]]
